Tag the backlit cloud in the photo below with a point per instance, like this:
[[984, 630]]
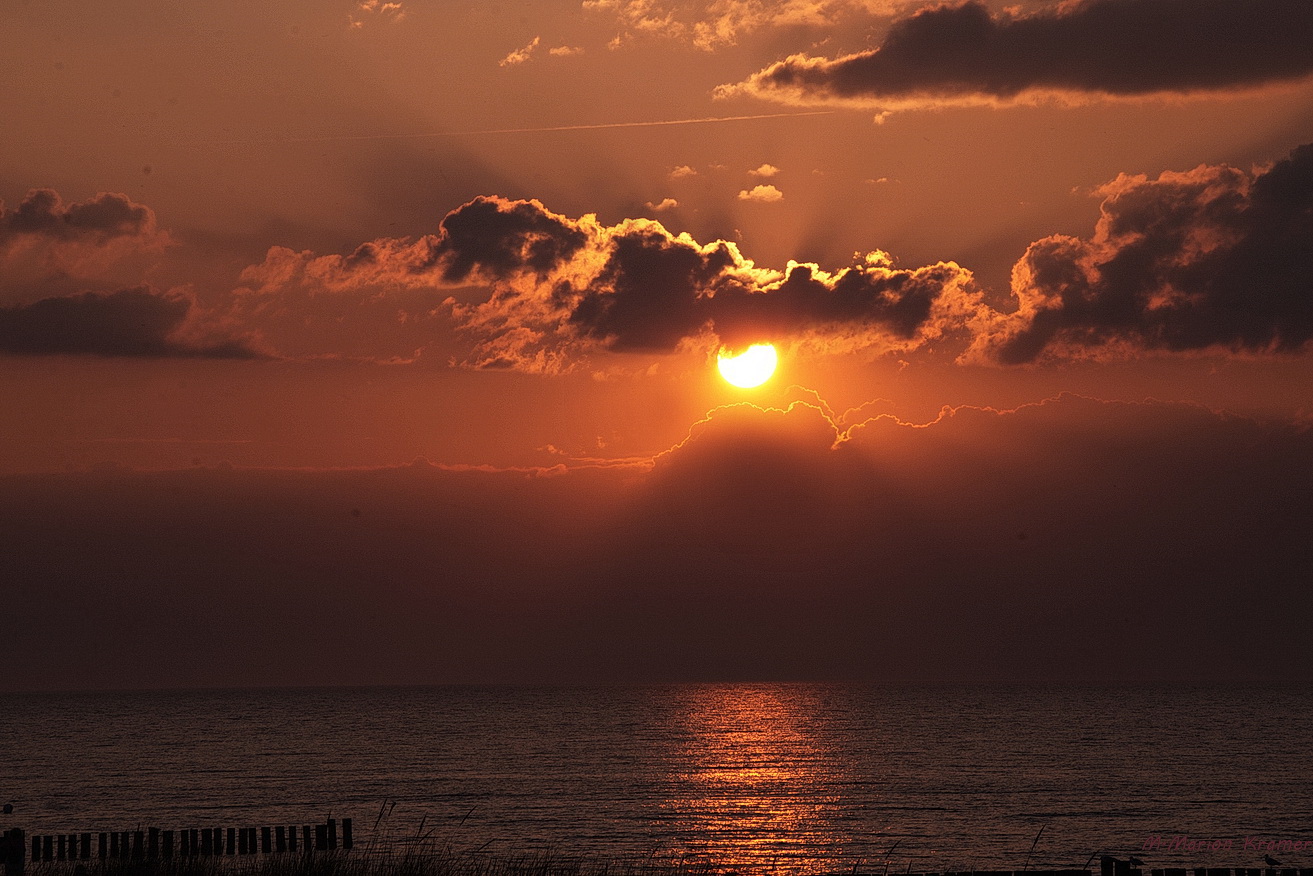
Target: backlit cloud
[[558, 288], [960, 53], [1212, 258], [562, 287], [766, 171]]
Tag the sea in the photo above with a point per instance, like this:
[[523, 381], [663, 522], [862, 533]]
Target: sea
[[759, 778]]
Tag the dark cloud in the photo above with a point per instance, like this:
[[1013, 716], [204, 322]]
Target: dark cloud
[[1074, 540], [1205, 259], [956, 53], [647, 295], [129, 322], [44, 214], [50, 248], [496, 238]]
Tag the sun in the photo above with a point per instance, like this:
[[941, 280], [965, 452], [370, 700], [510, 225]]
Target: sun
[[752, 367]]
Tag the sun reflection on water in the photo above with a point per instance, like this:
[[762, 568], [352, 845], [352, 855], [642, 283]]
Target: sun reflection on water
[[757, 788]]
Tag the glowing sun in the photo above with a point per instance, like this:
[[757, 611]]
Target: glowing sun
[[752, 367]]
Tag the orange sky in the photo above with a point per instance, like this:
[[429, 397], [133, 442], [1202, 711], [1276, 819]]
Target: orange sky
[[322, 236]]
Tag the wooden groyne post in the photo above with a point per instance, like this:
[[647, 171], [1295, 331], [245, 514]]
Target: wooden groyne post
[[152, 843], [13, 848]]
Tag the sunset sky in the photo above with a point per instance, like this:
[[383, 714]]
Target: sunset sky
[[376, 342]]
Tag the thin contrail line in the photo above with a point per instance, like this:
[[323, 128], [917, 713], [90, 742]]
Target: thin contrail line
[[328, 138]]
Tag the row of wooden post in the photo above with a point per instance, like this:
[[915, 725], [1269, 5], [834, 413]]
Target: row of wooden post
[[205, 841], [1109, 866], [1127, 870]]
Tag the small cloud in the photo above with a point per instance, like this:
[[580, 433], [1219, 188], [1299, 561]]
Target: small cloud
[[519, 56], [876, 181], [766, 171], [764, 194], [565, 51], [377, 10], [616, 42], [682, 171], [665, 204]]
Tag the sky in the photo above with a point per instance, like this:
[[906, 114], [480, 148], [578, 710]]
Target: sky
[[376, 342]]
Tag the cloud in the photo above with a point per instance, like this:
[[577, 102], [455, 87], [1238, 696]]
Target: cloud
[[1213, 258], [379, 10], [557, 289], [766, 171], [565, 51], [106, 216], [635, 286], [961, 54], [519, 56], [762, 194], [129, 322], [47, 244], [711, 25], [682, 171], [663, 205]]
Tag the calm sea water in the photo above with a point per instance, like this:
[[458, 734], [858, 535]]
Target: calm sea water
[[791, 777]]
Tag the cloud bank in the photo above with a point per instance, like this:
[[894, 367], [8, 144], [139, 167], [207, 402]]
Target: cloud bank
[[1074, 540], [129, 322], [960, 53]]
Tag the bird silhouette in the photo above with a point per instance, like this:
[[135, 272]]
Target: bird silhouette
[[1271, 861]]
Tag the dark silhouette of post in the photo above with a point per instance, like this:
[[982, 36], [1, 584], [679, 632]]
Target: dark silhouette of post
[[15, 851], [346, 833]]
